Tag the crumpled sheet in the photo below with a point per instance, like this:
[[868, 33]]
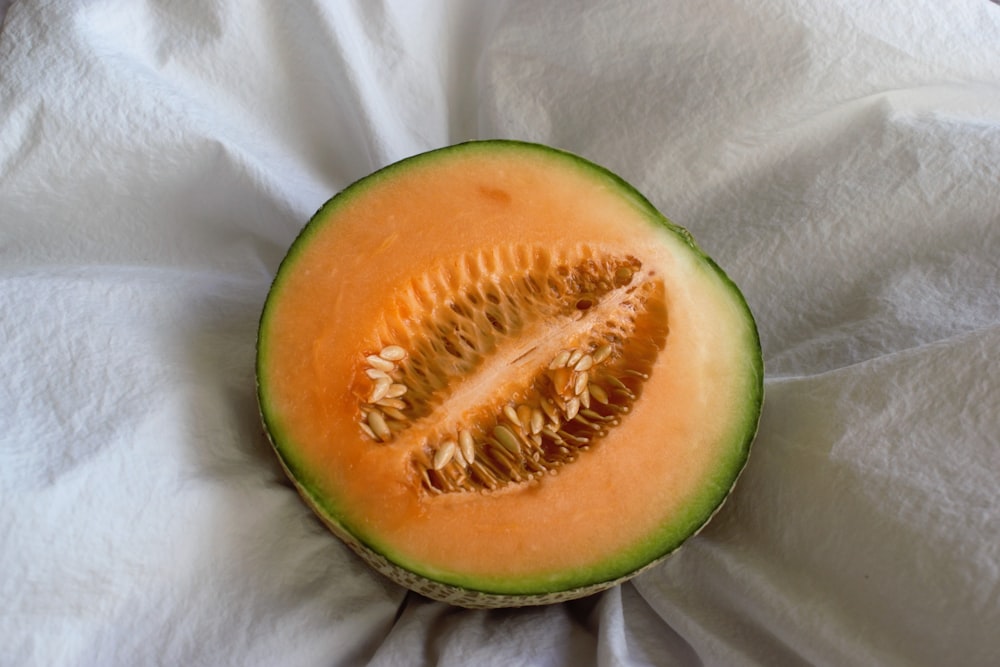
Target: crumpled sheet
[[840, 160]]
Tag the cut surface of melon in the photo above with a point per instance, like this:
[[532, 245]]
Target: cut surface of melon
[[502, 377]]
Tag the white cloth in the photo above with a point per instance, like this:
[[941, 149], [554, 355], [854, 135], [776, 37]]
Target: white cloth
[[840, 160]]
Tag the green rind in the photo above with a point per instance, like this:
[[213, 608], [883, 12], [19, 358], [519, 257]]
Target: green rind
[[477, 592]]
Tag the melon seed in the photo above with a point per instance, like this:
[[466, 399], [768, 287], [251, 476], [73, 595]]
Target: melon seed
[[396, 390], [550, 410], [552, 433], [395, 413], [444, 454], [524, 416], [380, 390], [460, 460], [507, 438], [511, 414], [537, 421], [602, 353], [468, 445], [378, 425], [560, 360], [392, 353], [618, 383], [379, 363], [598, 393]]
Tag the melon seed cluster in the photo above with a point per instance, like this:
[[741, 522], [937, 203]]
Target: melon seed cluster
[[386, 398], [452, 322]]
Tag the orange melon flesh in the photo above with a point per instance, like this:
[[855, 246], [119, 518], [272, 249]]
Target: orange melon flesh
[[632, 498]]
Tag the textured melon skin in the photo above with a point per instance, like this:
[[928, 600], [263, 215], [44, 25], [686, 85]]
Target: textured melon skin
[[469, 596]]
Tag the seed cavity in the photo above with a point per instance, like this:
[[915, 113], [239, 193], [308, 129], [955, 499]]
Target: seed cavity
[[536, 404]]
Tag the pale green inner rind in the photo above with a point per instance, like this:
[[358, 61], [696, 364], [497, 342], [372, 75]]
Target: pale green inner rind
[[671, 535]]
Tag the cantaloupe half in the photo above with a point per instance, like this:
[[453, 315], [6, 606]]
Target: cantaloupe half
[[502, 377]]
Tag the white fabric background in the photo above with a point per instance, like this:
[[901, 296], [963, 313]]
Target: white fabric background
[[841, 160]]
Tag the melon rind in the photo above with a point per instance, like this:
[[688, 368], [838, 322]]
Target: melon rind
[[470, 597]]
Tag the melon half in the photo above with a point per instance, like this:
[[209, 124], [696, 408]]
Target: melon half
[[503, 378]]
